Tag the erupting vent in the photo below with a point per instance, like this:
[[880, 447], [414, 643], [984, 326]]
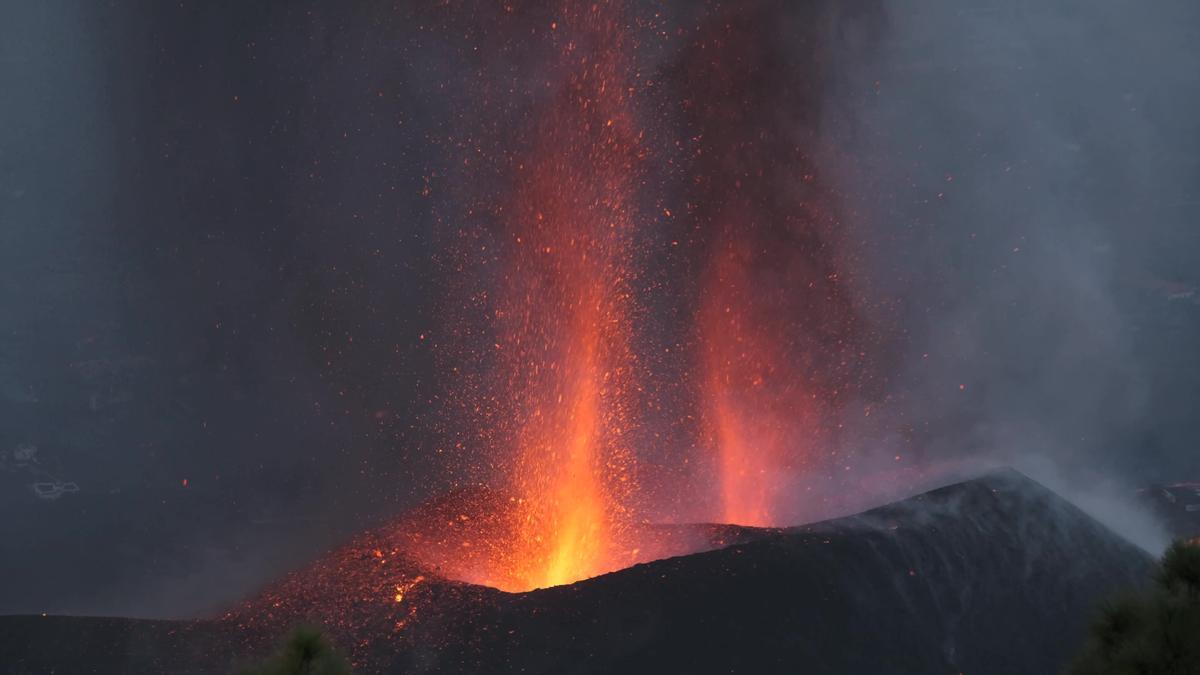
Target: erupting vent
[[564, 384]]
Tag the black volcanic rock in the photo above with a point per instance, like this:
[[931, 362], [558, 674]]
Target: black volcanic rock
[[994, 575]]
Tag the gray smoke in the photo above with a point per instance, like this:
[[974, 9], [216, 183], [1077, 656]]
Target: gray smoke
[[1025, 179]]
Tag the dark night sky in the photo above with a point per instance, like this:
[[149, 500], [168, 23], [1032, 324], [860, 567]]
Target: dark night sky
[[225, 226]]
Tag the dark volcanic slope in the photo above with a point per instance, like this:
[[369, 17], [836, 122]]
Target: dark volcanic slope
[[994, 575]]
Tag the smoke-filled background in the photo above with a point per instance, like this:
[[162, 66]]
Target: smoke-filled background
[[237, 239], [1028, 178]]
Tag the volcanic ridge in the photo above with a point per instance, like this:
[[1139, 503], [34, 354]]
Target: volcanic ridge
[[991, 575]]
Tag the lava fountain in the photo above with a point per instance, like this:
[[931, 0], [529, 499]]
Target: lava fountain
[[543, 379], [761, 416], [564, 367], [565, 322], [556, 494], [779, 335]]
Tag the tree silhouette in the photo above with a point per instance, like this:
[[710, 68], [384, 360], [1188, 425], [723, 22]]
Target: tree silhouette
[[1156, 633], [306, 652]]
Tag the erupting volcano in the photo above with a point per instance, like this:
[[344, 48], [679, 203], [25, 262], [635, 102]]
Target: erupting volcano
[[558, 402], [594, 336]]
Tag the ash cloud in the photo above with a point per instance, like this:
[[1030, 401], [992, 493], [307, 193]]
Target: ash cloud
[[1024, 182]]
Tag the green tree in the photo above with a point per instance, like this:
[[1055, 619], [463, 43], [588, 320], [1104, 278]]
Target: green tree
[[306, 652], [1156, 633]]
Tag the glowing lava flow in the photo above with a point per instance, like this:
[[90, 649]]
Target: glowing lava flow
[[562, 318]]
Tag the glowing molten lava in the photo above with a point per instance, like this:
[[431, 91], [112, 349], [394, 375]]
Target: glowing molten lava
[[760, 414], [571, 462], [550, 475], [778, 330], [565, 330], [562, 319]]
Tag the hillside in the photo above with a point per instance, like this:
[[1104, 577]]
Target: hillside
[[992, 575]]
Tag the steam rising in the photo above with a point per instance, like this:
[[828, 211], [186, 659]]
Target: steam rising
[[1024, 171]]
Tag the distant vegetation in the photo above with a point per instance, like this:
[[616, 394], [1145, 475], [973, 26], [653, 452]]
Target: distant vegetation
[[1154, 633], [306, 652]]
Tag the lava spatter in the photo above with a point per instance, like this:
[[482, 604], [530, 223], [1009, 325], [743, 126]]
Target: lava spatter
[[556, 392]]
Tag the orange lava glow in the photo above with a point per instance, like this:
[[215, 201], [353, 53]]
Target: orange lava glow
[[550, 491], [568, 336], [760, 417], [562, 323], [777, 323], [567, 342]]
